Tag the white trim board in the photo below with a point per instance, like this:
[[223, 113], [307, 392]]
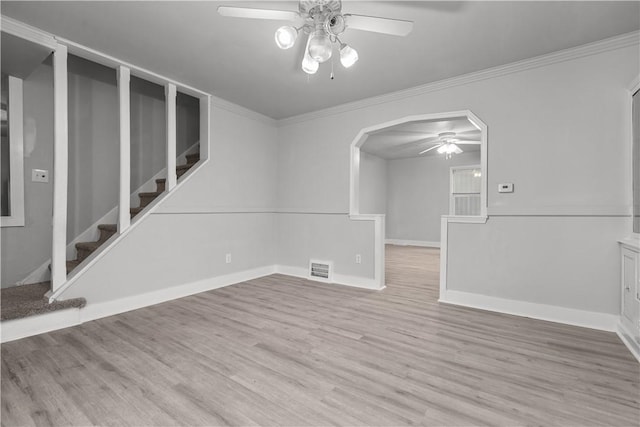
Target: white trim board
[[609, 44], [12, 330], [151, 208], [338, 279], [20, 328], [421, 243], [627, 339], [42, 273], [551, 313]]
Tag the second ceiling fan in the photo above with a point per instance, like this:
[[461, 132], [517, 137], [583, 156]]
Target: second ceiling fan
[[324, 23]]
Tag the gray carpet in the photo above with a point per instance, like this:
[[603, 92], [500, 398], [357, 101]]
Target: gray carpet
[[28, 300]]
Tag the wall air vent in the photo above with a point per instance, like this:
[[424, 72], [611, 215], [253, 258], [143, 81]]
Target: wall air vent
[[321, 271]]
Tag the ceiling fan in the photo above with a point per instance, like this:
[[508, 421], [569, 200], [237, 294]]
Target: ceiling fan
[[447, 144], [324, 23]]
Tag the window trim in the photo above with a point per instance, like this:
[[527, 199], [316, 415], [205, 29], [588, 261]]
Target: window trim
[[16, 155], [451, 198]]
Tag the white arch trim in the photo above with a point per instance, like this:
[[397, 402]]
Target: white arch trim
[[379, 220], [354, 191]]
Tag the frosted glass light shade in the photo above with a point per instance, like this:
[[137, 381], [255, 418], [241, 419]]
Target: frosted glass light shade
[[348, 56], [449, 148], [286, 37], [320, 48], [309, 65]]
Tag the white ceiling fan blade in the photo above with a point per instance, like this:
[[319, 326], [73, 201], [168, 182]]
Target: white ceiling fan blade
[[468, 141], [394, 27], [411, 144], [246, 12], [429, 149]]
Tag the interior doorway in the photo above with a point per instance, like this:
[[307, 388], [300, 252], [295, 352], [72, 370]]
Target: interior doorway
[[414, 171]]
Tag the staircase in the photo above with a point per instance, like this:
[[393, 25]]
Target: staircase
[[28, 300], [85, 249]]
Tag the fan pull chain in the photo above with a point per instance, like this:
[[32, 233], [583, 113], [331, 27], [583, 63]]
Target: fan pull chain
[[332, 76]]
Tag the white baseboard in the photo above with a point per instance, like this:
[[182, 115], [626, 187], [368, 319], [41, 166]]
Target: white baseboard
[[11, 330], [551, 313], [338, 279], [110, 308], [627, 339], [422, 243]]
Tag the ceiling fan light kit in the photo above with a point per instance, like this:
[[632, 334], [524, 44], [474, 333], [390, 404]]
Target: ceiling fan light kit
[[286, 36], [324, 22], [446, 144]]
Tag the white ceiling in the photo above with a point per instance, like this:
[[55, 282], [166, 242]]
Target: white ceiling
[[237, 59], [409, 139]]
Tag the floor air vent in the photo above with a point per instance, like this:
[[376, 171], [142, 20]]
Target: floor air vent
[[321, 270]]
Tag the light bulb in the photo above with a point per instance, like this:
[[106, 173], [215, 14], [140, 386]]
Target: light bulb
[[442, 149], [286, 37], [348, 55], [320, 47], [309, 65]]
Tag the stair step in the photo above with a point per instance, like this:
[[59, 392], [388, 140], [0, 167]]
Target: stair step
[[135, 211], [106, 231], [84, 249], [108, 227], [29, 300], [146, 198], [193, 158], [70, 265], [161, 185], [180, 170]]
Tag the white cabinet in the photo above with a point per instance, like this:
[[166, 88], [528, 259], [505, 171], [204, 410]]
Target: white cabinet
[[630, 310]]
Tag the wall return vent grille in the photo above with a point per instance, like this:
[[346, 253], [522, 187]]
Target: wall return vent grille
[[321, 271]]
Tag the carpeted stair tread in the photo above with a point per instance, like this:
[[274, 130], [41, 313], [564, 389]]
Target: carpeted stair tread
[[88, 246], [28, 300], [72, 264], [150, 194], [108, 227], [184, 168], [193, 158]]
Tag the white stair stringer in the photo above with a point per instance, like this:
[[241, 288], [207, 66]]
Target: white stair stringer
[[116, 238], [43, 274]]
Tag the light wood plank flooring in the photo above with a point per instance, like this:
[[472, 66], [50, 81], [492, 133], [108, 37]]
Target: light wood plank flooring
[[284, 351]]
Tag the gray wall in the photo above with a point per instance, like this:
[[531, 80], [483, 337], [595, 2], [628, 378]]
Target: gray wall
[[93, 154], [227, 207], [546, 133], [373, 184], [25, 248], [418, 195], [148, 131], [93, 144]]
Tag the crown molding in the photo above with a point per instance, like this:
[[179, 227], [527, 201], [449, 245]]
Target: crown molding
[[605, 45], [242, 111], [27, 32]]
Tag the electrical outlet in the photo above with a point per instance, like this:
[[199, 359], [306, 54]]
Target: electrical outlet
[[358, 259], [505, 188], [39, 175], [228, 258]]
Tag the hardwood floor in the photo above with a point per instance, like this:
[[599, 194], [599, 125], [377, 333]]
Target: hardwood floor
[[284, 351]]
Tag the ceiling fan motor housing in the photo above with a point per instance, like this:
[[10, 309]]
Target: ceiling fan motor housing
[[312, 7]]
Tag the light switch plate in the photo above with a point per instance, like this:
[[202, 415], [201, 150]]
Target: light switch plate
[[505, 188], [39, 175]]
